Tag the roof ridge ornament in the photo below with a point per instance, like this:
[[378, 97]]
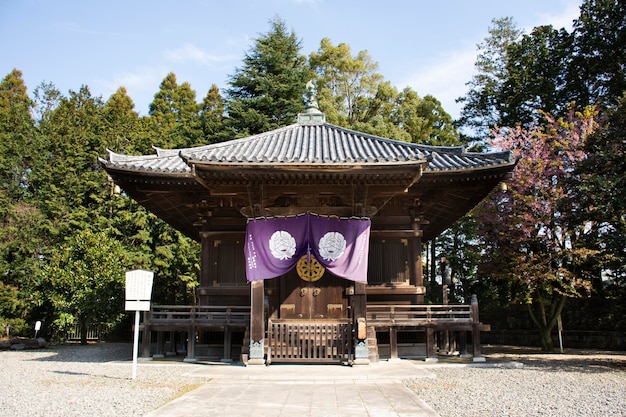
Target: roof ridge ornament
[[312, 114], [310, 97]]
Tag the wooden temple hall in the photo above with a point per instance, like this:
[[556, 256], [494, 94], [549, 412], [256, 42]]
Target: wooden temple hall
[[311, 240]]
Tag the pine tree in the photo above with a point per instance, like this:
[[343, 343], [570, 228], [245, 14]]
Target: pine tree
[[267, 92], [213, 117], [22, 235], [174, 115]]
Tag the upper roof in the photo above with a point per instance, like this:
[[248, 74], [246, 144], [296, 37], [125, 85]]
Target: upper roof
[[311, 144]]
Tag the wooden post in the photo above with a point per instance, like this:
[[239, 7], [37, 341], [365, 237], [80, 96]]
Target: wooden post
[[359, 311], [257, 323], [228, 338], [417, 275], [191, 339], [173, 347], [205, 264], [431, 355], [393, 342], [145, 335], [160, 343], [476, 330]]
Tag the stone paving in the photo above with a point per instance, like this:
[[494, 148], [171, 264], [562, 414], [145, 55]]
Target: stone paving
[[303, 391]]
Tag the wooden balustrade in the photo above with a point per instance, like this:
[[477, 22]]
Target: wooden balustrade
[[200, 316], [418, 315]]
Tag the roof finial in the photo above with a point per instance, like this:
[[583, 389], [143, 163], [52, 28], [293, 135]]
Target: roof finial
[[310, 97]]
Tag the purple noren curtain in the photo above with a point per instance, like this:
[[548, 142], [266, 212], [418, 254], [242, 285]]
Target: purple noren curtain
[[274, 246]]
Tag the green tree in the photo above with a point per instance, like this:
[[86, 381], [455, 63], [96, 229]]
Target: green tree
[[458, 244], [347, 85], [424, 119], [18, 139], [267, 91], [174, 115], [69, 185], [482, 105], [600, 187], [537, 68], [213, 117], [598, 74], [86, 280], [124, 130], [22, 235]]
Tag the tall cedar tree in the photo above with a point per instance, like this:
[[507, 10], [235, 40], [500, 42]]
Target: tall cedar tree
[[267, 92], [536, 67], [68, 182], [174, 115], [530, 241], [125, 131], [21, 222], [598, 72], [600, 190], [482, 105], [213, 117]]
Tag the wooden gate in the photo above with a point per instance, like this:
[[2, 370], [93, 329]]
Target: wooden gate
[[309, 341]]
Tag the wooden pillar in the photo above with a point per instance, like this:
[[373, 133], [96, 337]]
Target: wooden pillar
[[417, 273], [228, 339], [145, 335], [257, 323], [417, 276], [359, 311], [173, 347], [205, 264], [463, 344], [476, 330], [431, 355], [160, 343], [393, 342], [191, 339]]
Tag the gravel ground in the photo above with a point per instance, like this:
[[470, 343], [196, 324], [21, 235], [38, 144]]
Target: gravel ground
[[576, 383], [95, 380]]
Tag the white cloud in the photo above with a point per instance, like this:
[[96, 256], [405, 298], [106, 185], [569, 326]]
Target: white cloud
[[141, 85], [564, 19], [191, 53], [445, 78]]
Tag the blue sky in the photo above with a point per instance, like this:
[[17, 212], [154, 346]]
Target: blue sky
[[429, 46]]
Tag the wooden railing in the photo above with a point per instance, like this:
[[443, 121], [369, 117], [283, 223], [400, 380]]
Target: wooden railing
[[238, 316], [419, 315], [309, 341]]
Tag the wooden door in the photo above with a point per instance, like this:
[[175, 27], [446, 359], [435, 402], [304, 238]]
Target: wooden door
[[310, 296]]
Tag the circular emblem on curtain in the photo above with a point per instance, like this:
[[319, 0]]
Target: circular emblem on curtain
[[282, 245], [309, 271], [332, 245]]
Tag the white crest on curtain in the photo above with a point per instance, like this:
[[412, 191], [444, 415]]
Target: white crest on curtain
[[282, 245], [332, 245]]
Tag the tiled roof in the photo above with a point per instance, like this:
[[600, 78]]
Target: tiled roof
[[168, 162], [309, 144]]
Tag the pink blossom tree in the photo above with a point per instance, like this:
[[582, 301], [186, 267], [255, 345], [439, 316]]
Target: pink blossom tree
[[530, 240]]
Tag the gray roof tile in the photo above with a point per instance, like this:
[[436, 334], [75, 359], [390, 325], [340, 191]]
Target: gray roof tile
[[309, 144]]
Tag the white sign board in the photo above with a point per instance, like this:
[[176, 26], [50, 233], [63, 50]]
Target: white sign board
[[133, 305], [139, 285], [138, 294]]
